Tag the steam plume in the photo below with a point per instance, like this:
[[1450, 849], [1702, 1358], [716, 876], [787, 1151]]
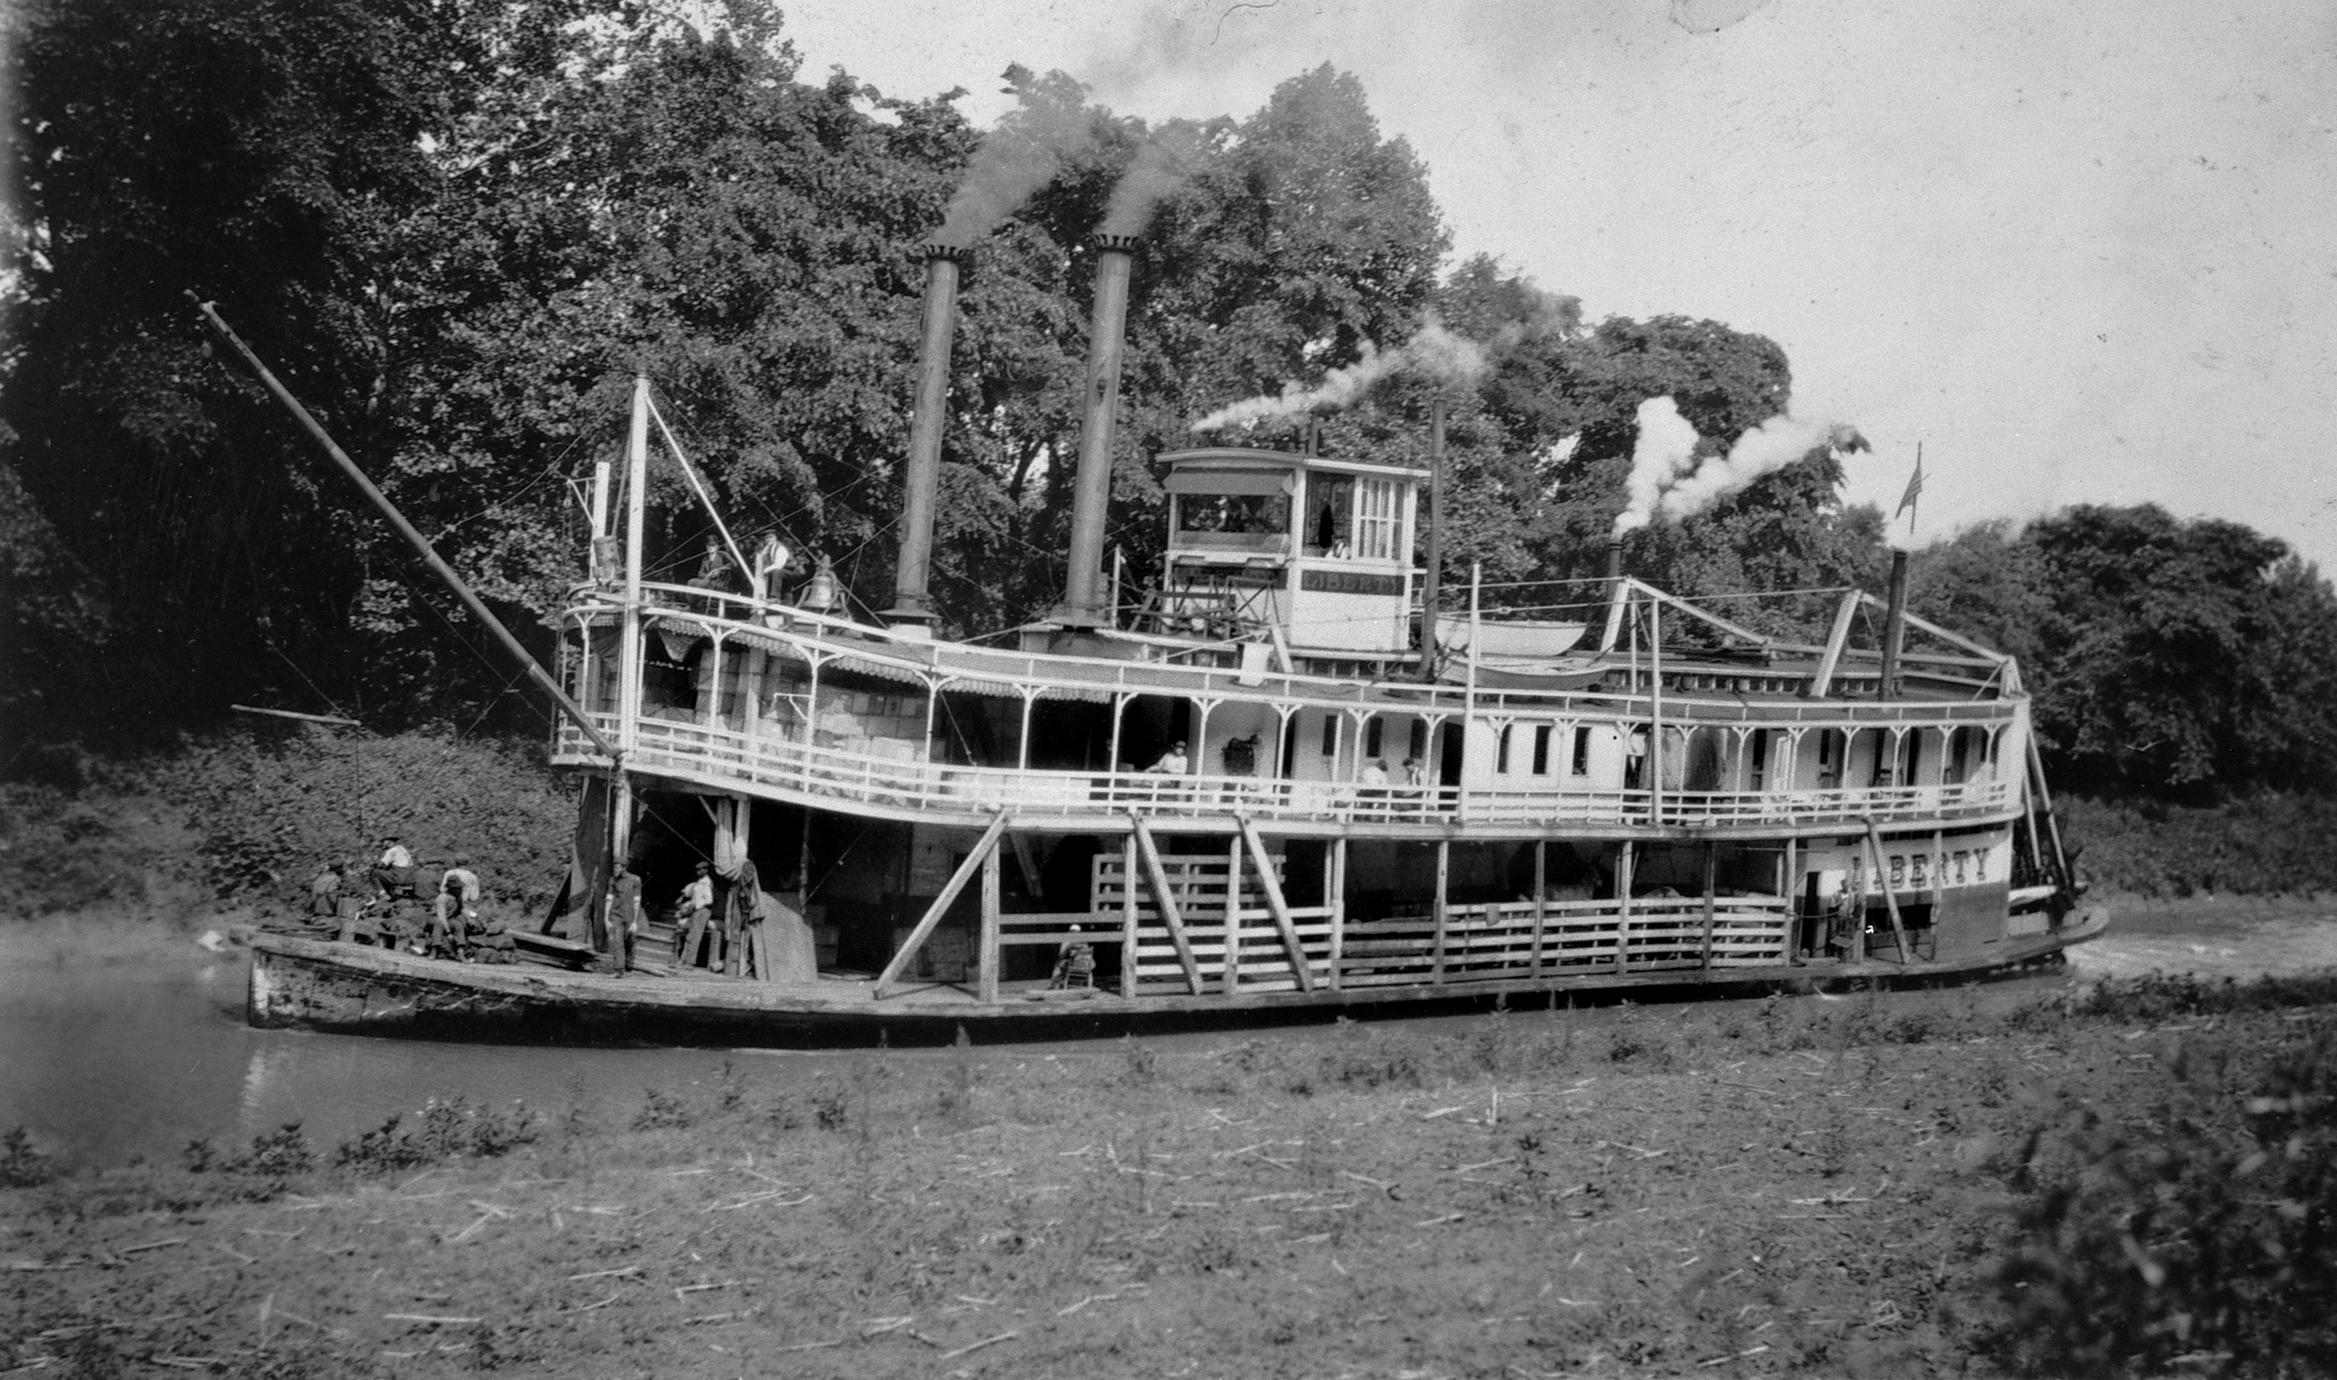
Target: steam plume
[[1433, 353], [1769, 447], [1666, 479], [1666, 450]]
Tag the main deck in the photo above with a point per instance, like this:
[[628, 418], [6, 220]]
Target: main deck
[[307, 983]]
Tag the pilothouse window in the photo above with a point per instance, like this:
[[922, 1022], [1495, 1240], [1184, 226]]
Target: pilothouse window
[[1379, 520]]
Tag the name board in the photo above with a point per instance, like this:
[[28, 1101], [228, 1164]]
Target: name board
[[1349, 582]]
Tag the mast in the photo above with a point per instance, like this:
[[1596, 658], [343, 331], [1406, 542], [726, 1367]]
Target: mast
[[1432, 586], [397, 522]]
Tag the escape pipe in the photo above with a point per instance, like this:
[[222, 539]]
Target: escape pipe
[[1894, 627], [1091, 493], [397, 520], [1614, 593], [921, 483]]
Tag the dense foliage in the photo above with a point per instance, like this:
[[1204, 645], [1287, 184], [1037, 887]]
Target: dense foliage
[[460, 228]]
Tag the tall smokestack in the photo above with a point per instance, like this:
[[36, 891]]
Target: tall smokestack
[[1091, 493], [923, 475]]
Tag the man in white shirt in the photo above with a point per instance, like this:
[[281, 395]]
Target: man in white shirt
[[1172, 762], [694, 908], [393, 871]]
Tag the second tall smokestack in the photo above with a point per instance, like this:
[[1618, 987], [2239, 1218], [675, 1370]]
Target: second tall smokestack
[[1084, 601], [922, 479]]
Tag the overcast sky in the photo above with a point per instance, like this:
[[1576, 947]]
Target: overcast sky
[[2082, 251]]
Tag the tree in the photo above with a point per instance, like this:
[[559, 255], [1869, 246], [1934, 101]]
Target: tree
[[2181, 658]]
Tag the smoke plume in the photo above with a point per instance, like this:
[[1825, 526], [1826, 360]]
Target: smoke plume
[[1666, 478], [1162, 164], [1016, 159], [1434, 353]]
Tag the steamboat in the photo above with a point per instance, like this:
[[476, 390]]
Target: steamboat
[[1294, 778]]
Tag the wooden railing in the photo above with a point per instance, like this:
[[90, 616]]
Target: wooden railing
[[796, 768], [1480, 943]]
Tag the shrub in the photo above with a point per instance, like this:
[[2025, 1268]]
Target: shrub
[[22, 1165], [453, 1129], [2204, 1240], [275, 1155]]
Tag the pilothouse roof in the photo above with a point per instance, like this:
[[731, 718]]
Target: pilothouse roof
[[1232, 461]]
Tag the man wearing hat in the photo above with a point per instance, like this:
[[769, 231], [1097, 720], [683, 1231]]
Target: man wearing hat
[[692, 911]]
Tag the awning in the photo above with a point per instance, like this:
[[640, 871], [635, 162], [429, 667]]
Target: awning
[[1232, 481]]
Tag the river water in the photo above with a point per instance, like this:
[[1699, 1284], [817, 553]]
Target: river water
[[103, 1059]]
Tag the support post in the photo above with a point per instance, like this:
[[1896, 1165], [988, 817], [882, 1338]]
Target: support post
[[1128, 916], [1232, 968], [1444, 851], [1272, 886], [986, 975], [1623, 868], [1882, 878], [1711, 870], [1169, 914], [1338, 890], [941, 904], [1541, 899]]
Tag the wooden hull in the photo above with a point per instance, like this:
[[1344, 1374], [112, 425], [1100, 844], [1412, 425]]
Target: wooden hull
[[306, 983]]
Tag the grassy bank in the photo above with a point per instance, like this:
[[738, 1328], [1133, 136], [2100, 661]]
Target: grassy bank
[[1915, 1185], [245, 819], [2268, 845]]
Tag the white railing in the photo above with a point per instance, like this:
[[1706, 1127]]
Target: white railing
[[798, 768], [724, 613]]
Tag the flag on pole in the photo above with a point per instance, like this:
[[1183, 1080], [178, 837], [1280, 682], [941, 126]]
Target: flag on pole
[[1914, 490]]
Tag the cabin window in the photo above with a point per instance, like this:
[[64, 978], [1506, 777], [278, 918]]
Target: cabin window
[[1501, 753], [1329, 520], [1758, 760], [1831, 747], [1419, 740], [1541, 750], [1235, 514], [1378, 519], [1330, 735], [1372, 737], [1580, 765]]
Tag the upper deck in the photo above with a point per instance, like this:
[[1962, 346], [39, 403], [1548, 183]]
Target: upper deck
[[745, 696]]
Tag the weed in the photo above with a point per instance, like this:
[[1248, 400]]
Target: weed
[[1140, 1062], [734, 1088], [456, 1128], [831, 1105], [22, 1165], [276, 1155], [662, 1111]]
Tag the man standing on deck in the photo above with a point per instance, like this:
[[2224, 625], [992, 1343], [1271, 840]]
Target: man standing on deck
[[694, 908], [624, 916]]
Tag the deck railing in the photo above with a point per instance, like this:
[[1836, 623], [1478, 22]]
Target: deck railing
[[714, 613], [1483, 942], [792, 767]]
